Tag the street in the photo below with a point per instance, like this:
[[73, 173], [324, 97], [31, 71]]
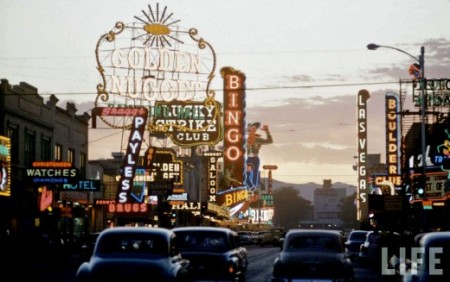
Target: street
[[259, 270]]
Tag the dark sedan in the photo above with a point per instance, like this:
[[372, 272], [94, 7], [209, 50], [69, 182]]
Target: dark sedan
[[354, 241], [135, 254], [214, 253], [312, 255]]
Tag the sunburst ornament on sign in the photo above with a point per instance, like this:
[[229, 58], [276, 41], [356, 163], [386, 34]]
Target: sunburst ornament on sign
[[157, 27]]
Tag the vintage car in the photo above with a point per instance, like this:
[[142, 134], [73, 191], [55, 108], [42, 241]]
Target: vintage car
[[312, 255], [354, 241], [214, 253], [135, 254]]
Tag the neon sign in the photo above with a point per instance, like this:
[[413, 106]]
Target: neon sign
[[131, 157], [393, 139], [234, 122]]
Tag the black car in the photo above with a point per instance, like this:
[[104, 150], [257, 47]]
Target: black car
[[354, 241], [135, 254], [214, 253], [312, 255]]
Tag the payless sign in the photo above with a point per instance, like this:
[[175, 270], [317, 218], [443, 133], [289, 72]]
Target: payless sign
[[132, 156]]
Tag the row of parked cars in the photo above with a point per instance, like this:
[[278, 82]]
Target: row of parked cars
[[210, 254], [157, 254]]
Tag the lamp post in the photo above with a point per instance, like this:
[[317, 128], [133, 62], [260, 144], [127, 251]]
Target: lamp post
[[421, 61]]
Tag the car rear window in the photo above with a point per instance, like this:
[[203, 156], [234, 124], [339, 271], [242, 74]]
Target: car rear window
[[133, 244], [358, 236], [202, 240], [313, 242]]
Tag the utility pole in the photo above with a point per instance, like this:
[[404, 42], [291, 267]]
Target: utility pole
[[270, 168]]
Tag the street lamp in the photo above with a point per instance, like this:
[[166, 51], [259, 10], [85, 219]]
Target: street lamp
[[421, 61]]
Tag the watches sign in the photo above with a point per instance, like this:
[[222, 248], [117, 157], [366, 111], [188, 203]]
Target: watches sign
[[53, 173]]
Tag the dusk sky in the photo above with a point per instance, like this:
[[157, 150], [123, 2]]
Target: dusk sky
[[304, 62]]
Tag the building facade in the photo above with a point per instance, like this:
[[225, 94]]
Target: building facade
[[42, 137]]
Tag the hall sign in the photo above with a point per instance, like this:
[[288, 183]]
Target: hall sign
[[190, 206], [188, 123]]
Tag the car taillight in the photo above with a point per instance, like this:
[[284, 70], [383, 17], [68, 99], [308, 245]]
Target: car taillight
[[231, 268]]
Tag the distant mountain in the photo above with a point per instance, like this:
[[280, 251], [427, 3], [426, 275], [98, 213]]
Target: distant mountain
[[307, 189]]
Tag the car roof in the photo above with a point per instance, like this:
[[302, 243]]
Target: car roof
[[359, 231], [308, 232], [203, 228], [136, 230], [433, 238]]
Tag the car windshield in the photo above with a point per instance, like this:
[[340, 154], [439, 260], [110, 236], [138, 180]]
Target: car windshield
[[313, 242], [132, 244], [202, 240]]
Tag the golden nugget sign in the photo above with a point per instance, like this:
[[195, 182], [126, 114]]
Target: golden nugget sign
[[154, 59]]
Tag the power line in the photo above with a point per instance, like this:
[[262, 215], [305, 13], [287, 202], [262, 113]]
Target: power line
[[253, 88]]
